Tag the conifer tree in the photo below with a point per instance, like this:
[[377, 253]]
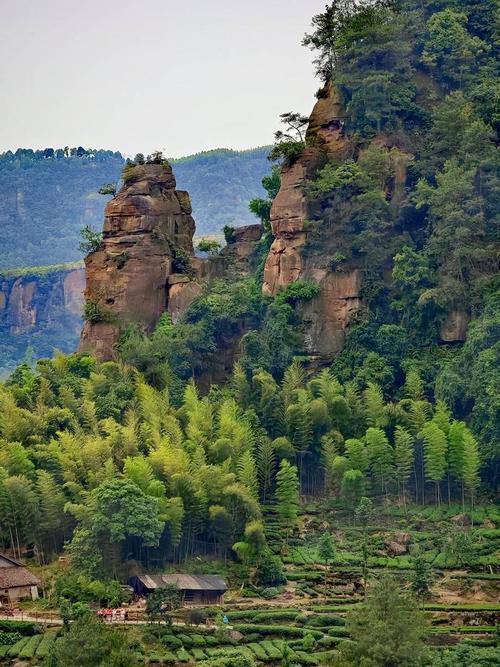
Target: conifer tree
[[293, 380], [414, 388]]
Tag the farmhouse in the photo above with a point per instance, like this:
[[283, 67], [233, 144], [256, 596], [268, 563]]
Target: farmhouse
[[195, 589], [16, 582]]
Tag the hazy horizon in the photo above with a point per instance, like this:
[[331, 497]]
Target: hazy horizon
[[161, 75]]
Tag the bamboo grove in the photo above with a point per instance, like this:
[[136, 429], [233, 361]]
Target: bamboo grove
[[93, 457]]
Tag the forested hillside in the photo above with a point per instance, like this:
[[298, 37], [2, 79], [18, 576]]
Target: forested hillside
[[318, 418], [46, 197]]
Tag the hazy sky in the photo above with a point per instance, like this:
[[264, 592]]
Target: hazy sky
[[141, 75]]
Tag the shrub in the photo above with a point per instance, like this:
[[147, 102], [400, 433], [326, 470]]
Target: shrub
[[91, 240], [25, 628], [183, 655], [197, 616], [228, 232], [9, 638], [258, 651], [171, 641], [182, 262], [93, 312], [270, 572]]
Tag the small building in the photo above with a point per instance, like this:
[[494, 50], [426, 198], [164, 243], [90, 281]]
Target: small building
[[16, 582], [195, 588]]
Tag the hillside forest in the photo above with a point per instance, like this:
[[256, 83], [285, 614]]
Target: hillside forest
[[349, 502], [47, 196]]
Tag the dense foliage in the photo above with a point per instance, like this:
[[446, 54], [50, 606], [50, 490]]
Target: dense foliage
[[416, 196], [46, 197]]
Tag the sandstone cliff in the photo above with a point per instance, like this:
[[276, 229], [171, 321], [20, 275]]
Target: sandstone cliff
[[304, 247], [142, 268], [327, 315], [39, 308]]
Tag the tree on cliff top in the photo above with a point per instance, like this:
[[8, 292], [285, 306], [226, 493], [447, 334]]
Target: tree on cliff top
[[339, 24]]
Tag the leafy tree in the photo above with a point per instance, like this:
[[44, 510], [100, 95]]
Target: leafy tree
[[421, 579], [108, 189], [435, 448], [210, 246], [163, 601], [91, 240], [89, 643], [388, 629]]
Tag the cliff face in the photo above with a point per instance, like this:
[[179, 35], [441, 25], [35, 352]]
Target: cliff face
[[33, 300], [327, 315], [39, 309], [136, 274]]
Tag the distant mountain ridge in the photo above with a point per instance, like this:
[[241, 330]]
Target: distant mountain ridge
[[46, 196]]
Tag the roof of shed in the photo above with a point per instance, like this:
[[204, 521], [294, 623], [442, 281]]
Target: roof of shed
[[186, 582], [13, 577]]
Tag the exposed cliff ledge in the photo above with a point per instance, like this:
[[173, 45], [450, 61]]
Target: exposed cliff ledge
[[148, 233]]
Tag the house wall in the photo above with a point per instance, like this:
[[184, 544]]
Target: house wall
[[19, 593]]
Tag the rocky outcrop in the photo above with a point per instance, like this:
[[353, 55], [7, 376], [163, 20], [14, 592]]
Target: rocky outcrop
[[147, 240], [239, 254], [455, 326], [327, 316]]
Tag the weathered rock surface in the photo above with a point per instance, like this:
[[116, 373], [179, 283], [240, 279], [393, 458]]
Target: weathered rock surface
[[454, 328], [327, 316], [40, 310], [238, 255], [31, 301], [128, 277]]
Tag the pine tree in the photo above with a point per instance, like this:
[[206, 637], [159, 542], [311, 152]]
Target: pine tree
[[293, 379], [403, 458], [241, 387], [414, 388], [328, 455]]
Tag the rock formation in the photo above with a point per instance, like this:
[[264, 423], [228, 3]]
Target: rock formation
[[327, 315], [238, 255], [142, 267]]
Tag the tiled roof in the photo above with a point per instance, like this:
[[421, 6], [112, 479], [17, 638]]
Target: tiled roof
[[12, 577], [185, 582]]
